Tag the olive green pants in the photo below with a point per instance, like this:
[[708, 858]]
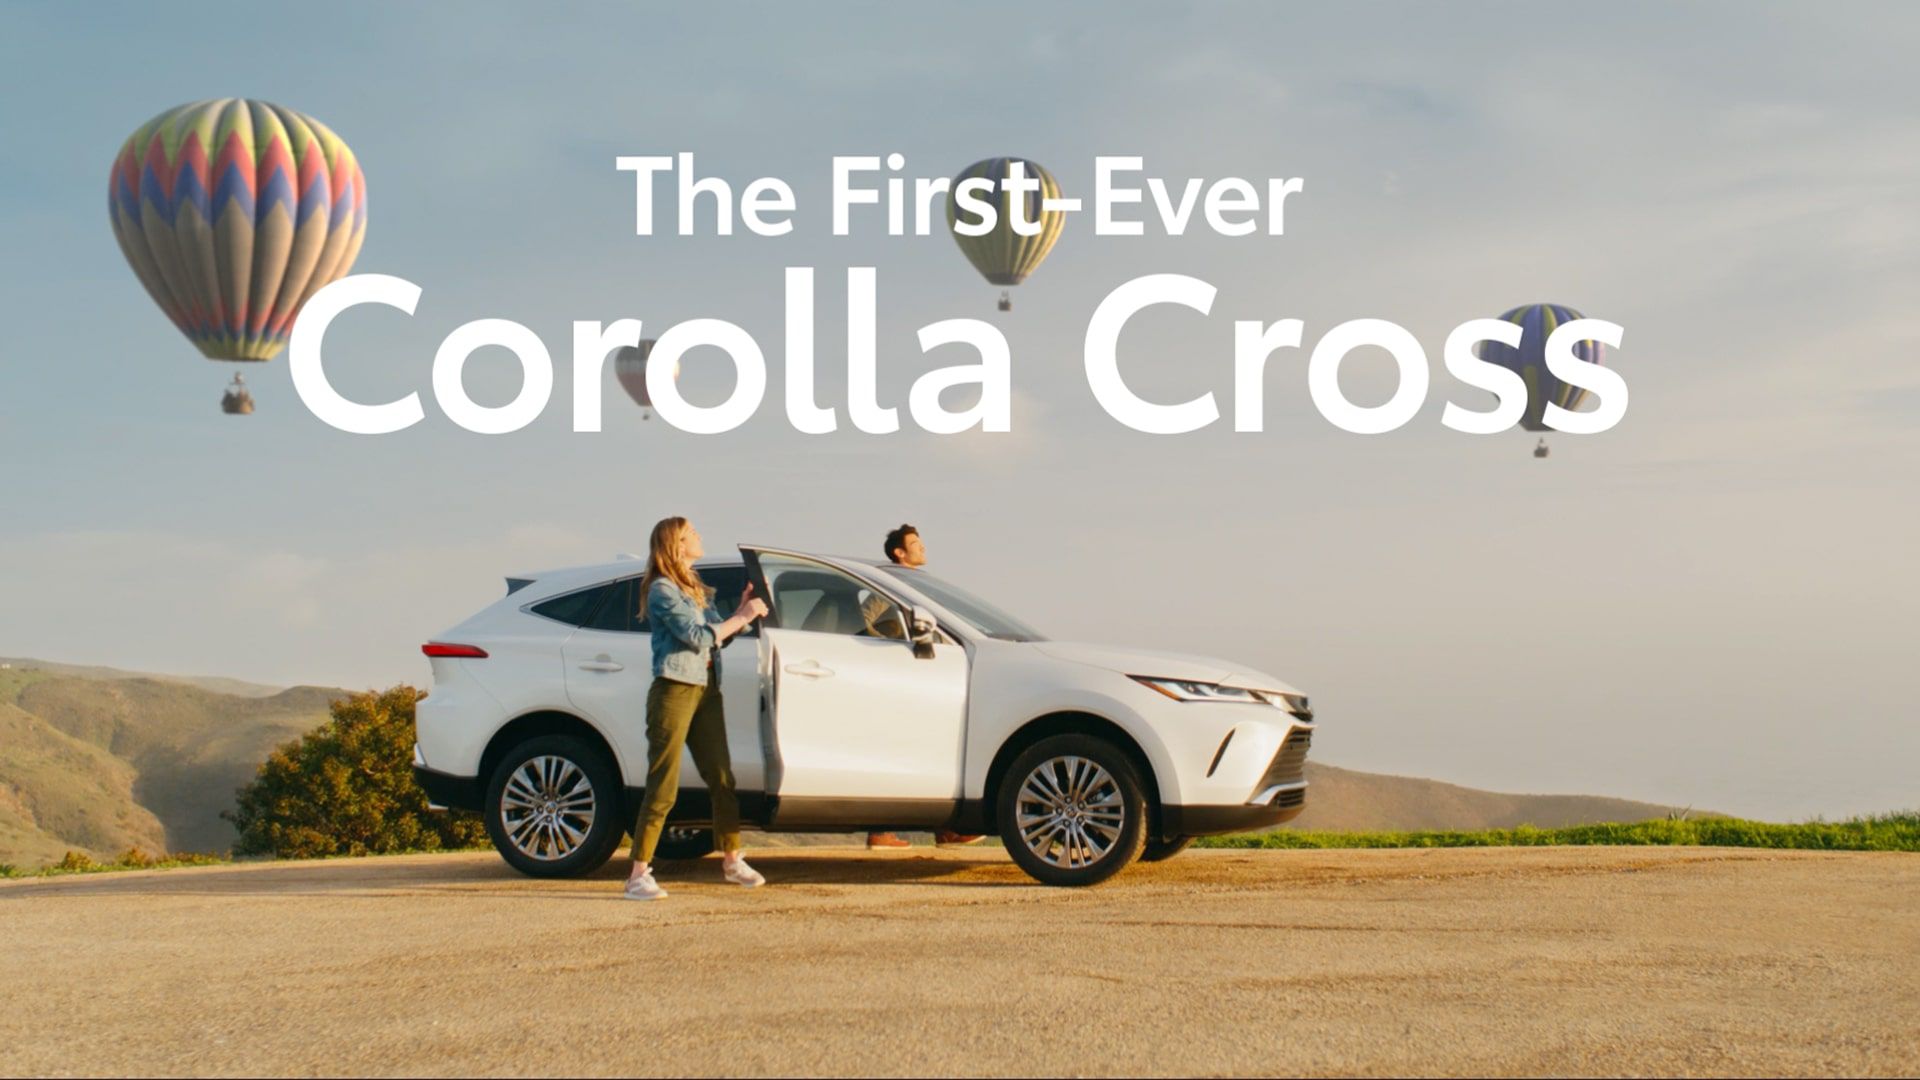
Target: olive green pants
[[684, 715]]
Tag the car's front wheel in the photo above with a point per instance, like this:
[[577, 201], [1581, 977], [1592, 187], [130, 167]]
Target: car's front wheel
[[553, 807], [1072, 810]]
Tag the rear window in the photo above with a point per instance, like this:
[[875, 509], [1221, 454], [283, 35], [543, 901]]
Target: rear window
[[574, 608]]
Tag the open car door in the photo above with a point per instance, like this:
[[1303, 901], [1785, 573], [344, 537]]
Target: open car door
[[863, 727]]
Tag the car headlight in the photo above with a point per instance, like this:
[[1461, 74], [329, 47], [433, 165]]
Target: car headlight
[[1293, 703], [1186, 690]]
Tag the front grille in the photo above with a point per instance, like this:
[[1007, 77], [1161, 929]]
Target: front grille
[[1290, 798], [1289, 765]]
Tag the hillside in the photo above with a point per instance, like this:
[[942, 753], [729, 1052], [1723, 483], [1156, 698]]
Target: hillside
[[217, 683], [58, 792], [1342, 800], [100, 760]]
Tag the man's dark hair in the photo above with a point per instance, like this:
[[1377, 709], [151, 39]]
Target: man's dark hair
[[897, 540]]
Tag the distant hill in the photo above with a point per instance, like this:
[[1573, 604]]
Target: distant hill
[[1342, 800], [217, 683], [99, 760], [58, 793]]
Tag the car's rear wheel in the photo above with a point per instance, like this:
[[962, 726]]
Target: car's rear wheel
[[553, 807], [1072, 810], [682, 842], [1158, 850]]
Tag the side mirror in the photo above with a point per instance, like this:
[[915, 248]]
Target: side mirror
[[923, 632]]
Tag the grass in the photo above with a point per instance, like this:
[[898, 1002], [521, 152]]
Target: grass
[[79, 862], [1877, 832]]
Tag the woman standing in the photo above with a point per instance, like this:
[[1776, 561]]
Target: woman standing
[[683, 704]]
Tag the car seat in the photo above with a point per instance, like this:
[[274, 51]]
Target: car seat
[[835, 613]]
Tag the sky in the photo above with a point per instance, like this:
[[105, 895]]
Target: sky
[[1713, 604]]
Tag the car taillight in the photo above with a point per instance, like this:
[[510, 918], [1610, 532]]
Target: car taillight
[[442, 648]]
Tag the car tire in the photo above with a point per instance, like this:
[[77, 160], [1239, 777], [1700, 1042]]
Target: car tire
[[1161, 850], [1092, 815], [681, 842], [554, 807]]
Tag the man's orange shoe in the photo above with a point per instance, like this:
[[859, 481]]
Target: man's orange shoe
[[944, 838], [878, 840]]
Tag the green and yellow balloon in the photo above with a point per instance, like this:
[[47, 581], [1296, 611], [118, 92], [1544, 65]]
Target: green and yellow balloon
[[1002, 255]]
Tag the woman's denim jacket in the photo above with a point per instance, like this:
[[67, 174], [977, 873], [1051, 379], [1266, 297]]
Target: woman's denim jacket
[[684, 634]]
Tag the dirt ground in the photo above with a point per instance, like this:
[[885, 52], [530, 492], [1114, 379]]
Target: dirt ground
[[1552, 960]]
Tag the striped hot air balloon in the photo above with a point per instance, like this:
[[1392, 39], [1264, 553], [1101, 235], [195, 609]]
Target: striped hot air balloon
[[1003, 256], [233, 212], [1537, 323]]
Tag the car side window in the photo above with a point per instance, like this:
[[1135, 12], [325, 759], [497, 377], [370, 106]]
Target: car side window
[[618, 607], [726, 583], [818, 598], [576, 608]]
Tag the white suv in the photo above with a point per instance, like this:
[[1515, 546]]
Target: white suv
[[873, 696]]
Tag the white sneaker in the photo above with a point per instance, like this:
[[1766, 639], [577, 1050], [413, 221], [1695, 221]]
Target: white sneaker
[[645, 888], [738, 872]]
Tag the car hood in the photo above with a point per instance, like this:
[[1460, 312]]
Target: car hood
[[1205, 669]]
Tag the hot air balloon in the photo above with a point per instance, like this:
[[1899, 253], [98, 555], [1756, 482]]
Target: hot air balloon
[[232, 212], [1529, 361], [630, 367], [1003, 256]]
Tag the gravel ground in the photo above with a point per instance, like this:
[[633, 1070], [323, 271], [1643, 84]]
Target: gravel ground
[[1480, 961]]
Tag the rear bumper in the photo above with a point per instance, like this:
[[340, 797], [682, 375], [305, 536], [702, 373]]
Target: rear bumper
[[447, 790]]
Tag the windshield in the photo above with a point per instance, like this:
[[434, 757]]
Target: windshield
[[983, 616]]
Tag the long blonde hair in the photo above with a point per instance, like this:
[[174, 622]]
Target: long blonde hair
[[665, 561]]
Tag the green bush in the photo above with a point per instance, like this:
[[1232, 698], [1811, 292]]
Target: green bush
[[346, 788]]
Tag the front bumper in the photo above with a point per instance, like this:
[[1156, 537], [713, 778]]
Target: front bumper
[[1214, 820], [1277, 797]]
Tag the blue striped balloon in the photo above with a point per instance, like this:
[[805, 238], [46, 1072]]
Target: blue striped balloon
[[1529, 361]]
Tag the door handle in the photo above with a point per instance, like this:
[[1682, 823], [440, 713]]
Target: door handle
[[811, 669], [603, 662]]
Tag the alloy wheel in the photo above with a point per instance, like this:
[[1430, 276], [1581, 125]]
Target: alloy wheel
[[547, 807], [1070, 812]]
